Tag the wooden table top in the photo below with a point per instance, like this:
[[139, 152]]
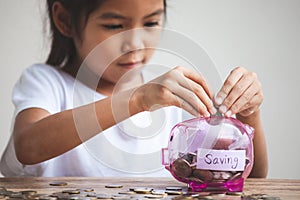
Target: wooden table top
[[285, 189]]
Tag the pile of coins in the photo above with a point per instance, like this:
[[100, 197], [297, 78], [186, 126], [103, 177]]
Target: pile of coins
[[132, 193], [259, 197], [184, 167]]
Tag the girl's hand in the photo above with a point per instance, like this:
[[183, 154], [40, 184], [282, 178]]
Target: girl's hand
[[179, 87], [241, 93]]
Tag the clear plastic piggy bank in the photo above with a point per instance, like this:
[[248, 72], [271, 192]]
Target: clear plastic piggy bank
[[214, 153]]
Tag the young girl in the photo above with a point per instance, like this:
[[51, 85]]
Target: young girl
[[55, 136]]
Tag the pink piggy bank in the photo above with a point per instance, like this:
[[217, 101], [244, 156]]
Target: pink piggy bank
[[208, 154]]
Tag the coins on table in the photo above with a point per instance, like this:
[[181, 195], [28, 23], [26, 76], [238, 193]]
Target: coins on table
[[132, 193], [260, 197]]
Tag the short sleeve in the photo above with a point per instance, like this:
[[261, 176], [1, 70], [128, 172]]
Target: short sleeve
[[37, 88]]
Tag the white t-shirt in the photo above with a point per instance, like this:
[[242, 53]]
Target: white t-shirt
[[130, 148]]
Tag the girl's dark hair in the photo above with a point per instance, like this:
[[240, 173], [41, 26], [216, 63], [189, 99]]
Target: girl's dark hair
[[63, 52]]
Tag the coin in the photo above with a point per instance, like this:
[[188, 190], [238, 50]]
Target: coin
[[204, 197], [58, 194], [181, 168], [127, 192], [182, 198], [47, 198], [71, 191], [159, 192], [71, 197], [58, 183], [187, 196], [154, 196], [103, 196], [29, 192], [86, 189], [114, 186], [204, 175], [132, 188], [138, 198], [194, 179], [271, 198], [143, 190], [236, 176], [88, 194], [235, 193], [260, 197], [173, 188], [173, 192], [33, 197], [219, 194], [121, 197], [15, 195], [105, 199], [87, 198], [190, 157]]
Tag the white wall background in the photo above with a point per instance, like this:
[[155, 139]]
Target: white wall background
[[261, 35]]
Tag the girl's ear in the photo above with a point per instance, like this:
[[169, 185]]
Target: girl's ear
[[62, 19]]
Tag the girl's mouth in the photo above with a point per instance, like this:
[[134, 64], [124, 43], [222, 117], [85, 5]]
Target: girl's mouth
[[131, 64]]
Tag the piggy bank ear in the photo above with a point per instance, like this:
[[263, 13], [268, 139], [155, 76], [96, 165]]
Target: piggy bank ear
[[165, 157]]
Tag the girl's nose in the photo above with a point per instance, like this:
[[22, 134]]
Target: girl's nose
[[133, 40]]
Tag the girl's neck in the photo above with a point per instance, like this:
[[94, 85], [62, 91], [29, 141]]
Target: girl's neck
[[107, 88], [103, 86]]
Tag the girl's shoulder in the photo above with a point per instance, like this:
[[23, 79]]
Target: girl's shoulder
[[43, 68], [43, 86], [47, 72]]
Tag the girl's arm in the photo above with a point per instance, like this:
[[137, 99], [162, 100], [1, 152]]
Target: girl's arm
[[242, 95], [260, 167], [39, 136]]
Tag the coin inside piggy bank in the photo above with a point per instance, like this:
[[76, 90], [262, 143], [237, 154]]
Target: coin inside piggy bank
[[214, 153]]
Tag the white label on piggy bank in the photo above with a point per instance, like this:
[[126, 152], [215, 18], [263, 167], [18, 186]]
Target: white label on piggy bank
[[224, 160]]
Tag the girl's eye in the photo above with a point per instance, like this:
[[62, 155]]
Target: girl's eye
[[113, 26], [152, 24]]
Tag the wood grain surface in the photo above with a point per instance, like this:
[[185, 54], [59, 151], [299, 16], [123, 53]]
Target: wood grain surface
[[285, 189]]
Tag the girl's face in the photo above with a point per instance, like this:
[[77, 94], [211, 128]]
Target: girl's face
[[113, 17]]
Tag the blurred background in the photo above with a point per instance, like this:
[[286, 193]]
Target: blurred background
[[262, 36]]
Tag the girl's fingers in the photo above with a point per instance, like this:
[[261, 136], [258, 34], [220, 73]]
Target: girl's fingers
[[229, 83], [186, 106], [190, 87], [197, 78], [252, 106], [240, 94], [200, 93], [190, 98], [255, 100], [243, 100]]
